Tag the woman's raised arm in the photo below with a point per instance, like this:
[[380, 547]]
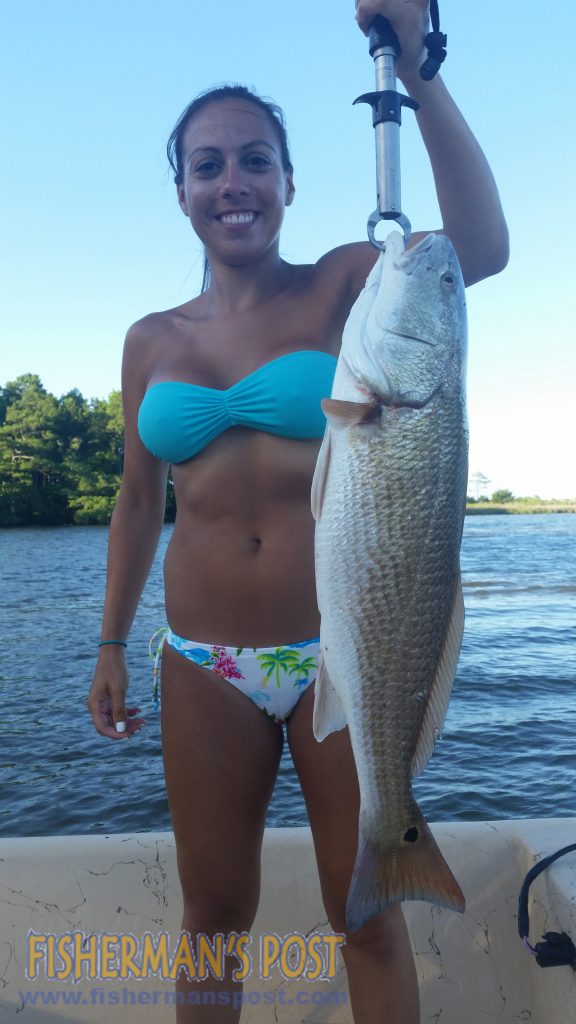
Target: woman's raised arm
[[470, 206]]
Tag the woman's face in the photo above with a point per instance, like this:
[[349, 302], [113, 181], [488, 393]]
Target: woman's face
[[235, 188]]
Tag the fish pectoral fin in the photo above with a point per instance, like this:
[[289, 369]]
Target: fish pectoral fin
[[328, 714], [321, 475], [339, 415], [349, 414], [437, 703]]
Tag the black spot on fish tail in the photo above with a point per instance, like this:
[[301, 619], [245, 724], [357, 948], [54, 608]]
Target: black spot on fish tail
[[413, 869]]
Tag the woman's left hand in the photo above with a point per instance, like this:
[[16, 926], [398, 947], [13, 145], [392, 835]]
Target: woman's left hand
[[409, 19]]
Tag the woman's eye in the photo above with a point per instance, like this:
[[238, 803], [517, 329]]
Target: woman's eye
[[206, 167], [257, 162]]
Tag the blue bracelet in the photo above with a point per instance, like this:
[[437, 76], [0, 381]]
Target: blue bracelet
[[104, 643]]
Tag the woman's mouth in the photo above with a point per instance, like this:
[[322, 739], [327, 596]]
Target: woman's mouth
[[241, 217]]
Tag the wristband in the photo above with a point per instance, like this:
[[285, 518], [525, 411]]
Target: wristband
[[104, 643]]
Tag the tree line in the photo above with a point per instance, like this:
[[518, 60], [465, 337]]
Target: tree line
[[60, 458]]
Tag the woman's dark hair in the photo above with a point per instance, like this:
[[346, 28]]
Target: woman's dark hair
[[226, 92], [273, 112]]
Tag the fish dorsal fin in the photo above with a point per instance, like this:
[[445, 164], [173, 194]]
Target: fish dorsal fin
[[349, 414], [321, 475], [437, 703], [328, 711]]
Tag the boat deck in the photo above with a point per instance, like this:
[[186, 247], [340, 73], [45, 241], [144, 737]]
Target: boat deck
[[472, 968]]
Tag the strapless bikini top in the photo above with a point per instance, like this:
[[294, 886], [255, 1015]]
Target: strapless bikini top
[[177, 420]]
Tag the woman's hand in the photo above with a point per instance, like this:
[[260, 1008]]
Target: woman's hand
[[409, 19], [107, 698]]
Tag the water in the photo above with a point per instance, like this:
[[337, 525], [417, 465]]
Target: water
[[510, 735]]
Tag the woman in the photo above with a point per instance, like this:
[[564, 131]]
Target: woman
[[239, 570]]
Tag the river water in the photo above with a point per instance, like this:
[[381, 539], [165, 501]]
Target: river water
[[508, 748]]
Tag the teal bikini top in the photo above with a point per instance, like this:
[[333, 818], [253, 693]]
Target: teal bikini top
[[177, 420]]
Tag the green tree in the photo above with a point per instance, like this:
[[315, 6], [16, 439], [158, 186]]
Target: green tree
[[31, 471], [502, 496], [60, 458], [95, 461]]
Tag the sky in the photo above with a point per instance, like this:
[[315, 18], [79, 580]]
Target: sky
[[92, 238]]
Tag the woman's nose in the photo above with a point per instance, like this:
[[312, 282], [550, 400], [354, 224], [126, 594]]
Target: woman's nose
[[233, 181]]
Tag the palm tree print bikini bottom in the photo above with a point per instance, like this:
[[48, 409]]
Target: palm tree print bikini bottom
[[274, 678]]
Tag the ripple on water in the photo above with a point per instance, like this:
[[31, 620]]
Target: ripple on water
[[508, 743]]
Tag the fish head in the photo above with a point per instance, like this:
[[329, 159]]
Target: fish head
[[405, 337]]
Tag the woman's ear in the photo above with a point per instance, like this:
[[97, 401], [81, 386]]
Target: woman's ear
[[290, 189], [182, 200]]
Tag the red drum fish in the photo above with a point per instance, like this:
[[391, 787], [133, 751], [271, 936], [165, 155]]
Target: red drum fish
[[389, 495]]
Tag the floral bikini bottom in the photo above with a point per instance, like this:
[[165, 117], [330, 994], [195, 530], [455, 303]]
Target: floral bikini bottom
[[274, 678]]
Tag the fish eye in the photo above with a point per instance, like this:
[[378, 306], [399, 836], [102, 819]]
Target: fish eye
[[449, 279]]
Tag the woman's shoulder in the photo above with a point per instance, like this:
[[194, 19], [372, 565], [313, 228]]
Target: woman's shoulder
[[145, 329], [162, 323], [158, 328], [144, 343], [348, 265]]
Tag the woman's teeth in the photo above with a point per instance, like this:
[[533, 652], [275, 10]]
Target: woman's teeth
[[237, 218]]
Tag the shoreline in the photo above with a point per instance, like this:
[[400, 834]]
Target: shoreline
[[519, 507]]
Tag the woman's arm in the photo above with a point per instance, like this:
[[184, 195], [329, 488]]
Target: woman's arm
[[472, 216], [469, 202], [134, 532]]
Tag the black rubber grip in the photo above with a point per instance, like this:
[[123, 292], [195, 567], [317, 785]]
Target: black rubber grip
[[381, 34]]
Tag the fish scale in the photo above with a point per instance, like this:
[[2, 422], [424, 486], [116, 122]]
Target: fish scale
[[388, 496]]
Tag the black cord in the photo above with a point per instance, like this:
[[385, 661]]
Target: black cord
[[435, 43], [557, 949]]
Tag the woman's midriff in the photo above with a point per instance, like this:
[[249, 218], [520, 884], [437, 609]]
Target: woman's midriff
[[239, 569]]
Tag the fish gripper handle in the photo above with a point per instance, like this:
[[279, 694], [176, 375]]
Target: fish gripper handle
[[382, 34]]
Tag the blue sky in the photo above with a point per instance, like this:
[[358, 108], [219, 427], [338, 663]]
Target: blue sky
[[93, 238]]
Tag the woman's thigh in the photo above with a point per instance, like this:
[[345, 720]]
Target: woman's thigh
[[221, 756], [327, 775], [378, 957]]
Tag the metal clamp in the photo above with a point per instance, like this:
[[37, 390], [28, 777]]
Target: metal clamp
[[386, 103]]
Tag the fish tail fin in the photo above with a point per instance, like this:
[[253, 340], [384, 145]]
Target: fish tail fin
[[412, 869]]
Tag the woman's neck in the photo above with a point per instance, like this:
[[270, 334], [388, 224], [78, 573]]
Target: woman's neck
[[235, 289]]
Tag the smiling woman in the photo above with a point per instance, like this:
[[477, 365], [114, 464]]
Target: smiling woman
[[253, 186], [227, 388], [256, 156]]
